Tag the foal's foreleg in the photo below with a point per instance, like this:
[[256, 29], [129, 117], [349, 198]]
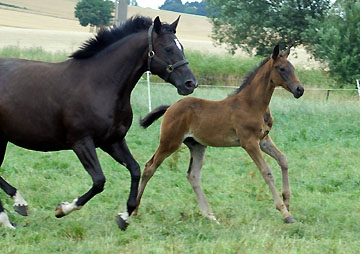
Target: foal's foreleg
[[253, 149], [197, 153], [85, 150], [121, 153], [268, 146]]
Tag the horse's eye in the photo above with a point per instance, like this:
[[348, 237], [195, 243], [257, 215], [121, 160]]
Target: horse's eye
[[282, 69], [168, 49]]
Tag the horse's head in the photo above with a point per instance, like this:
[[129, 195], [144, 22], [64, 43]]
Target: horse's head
[[283, 73], [166, 57]]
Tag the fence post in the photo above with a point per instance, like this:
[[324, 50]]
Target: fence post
[[327, 95], [358, 87], [149, 95]]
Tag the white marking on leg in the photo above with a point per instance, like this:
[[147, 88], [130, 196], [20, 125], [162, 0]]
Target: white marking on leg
[[19, 201], [4, 221], [68, 208], [125, 216]]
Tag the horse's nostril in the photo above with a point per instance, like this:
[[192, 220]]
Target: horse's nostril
[[189, 83]]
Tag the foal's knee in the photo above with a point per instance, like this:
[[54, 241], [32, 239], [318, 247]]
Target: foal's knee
[[283, 162]]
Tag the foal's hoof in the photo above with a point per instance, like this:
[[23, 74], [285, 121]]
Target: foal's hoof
[[21, 209], [59, 211], [289, 220], [121, 222]]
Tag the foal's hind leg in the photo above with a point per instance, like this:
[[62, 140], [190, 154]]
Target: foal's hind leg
[[268, 146], [197, 152], [151, 165]]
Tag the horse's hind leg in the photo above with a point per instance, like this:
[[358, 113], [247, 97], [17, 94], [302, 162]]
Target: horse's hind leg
[[268, 146], [20, 205], [121, 153], [197, 153]]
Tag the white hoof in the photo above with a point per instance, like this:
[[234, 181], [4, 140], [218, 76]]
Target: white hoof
[[5, 222]]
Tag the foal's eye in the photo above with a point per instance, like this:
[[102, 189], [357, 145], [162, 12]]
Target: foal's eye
[[282, 69]]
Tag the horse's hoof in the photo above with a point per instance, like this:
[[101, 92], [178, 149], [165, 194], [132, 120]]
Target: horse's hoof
[[121, 223], [289, 220], [21, 209], [59, 211]]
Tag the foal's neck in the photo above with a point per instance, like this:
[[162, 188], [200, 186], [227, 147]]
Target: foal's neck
[[259, 91]]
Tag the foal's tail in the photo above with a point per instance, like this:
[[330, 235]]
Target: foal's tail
[[153, 116]]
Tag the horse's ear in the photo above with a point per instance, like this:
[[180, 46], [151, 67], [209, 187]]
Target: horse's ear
[[174, 24], [276, 52], [157, 25]]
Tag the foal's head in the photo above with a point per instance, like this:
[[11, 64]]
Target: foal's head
[[283, 73], [168, 59]]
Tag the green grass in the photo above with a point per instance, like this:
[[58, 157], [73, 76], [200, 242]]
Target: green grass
[[210, 69], [320, 139]]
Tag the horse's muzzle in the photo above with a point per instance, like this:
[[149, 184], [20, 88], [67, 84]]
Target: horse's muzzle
[[188, 87]]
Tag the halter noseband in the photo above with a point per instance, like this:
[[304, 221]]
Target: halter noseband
[[151, 55]]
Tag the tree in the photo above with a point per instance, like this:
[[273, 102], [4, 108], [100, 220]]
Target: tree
[[336, 40], [256, 26], [94, 12], [197, 8]]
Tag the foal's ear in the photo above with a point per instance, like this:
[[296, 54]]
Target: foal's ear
[[276, 52], [157, 25], [287, 52], [174, 24]]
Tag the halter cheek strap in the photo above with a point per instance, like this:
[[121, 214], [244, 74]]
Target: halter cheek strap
[[151, 55]]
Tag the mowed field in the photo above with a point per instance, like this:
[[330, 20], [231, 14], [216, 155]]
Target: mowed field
[[51, 24]]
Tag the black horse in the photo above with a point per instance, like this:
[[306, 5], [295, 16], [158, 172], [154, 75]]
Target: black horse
[[84, 102]]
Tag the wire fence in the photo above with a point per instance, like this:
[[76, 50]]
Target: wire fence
[[326, 90]]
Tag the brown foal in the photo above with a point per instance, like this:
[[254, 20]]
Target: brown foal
[[242, 119]]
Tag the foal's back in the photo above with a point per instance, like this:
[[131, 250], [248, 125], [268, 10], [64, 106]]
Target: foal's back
[[211, 123]]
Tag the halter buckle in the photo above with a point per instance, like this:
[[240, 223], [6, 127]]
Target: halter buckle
[[151, 54], [170, 68]]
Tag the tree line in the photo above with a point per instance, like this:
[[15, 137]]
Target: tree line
[[329, 30]]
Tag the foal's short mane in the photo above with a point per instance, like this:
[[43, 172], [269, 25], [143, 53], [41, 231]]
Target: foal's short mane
[[249, 77], [106, 37]]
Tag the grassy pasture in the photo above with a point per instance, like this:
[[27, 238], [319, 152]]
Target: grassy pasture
[[320, 139]]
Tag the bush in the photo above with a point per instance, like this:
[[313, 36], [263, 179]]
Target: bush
[[336, 41]]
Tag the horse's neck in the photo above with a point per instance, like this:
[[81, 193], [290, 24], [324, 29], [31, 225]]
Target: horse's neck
[[260, 90], [125, 63]]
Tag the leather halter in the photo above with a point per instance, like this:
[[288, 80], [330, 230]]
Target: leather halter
[[151, 55]]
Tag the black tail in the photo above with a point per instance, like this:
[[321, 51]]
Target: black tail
[[153, 116]]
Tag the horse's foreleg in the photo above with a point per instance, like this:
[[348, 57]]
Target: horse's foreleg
[[253, 149], [85, 150], [197, 153], [268, 146], [121, 153]]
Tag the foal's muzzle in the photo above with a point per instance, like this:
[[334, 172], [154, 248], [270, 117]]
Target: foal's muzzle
[[296, 89]]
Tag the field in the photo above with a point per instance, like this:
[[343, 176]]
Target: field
[[320, 140], [319, 137]]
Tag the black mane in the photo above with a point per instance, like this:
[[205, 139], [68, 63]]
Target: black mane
[[106, 37], [249, 77]]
